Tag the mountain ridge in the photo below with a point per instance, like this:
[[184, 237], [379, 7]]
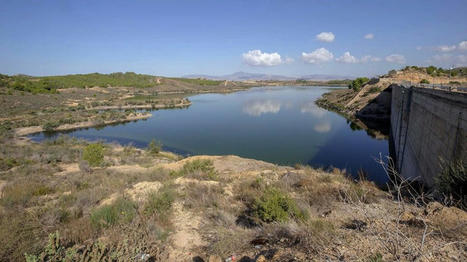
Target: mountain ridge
[[243, 76]]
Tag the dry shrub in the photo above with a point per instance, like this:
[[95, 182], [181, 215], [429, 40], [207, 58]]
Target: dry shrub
[[21, 232], [360, 192], [22, 192], [227, 241], [311, 236], [200, 196], [248, 190], [77, 230]]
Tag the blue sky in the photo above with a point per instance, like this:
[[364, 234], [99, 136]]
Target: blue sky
[[174, 38]]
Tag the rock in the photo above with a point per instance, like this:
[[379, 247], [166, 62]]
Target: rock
[[261, 258], [410, 219], [214, 258], [433, 208], [356, 225]]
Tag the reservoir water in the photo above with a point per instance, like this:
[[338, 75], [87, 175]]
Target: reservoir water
[[282, 125]]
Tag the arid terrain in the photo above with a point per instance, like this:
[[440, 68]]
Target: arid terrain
[[73, 200], [142, 204]]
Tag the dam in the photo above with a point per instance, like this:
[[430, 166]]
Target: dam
[[427, 125]]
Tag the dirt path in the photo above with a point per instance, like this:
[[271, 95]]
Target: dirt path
[[186, 237]]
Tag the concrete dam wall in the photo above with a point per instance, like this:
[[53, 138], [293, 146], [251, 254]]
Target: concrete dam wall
[[427, 125]]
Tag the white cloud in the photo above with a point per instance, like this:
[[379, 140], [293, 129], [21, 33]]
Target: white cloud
[[347, 58], [259, 107], [463, 45], [449, 60], [325, 37], [369, 36], [318, 56], [258, 58], [396, 58], [419, 48], [446, 48], [369, 58]]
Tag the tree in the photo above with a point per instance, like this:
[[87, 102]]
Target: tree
[[357, 84]]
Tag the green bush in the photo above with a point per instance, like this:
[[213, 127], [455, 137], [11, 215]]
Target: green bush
[[357, 84], [154, 147], [374, 89], [50, 126], [120, 212], [424, 81], [452, 181], [430, 70], [159, 203], [276, 206], [94, 154], [199, 165]]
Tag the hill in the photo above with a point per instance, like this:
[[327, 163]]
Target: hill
[[51, 84]]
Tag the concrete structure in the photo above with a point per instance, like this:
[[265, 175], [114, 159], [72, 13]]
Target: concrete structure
[[427, 125]]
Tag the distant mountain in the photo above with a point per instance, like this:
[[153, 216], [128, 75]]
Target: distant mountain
[[243, 76], [318, 77]]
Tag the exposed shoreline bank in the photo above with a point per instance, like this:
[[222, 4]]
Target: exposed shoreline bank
[[24, 131]]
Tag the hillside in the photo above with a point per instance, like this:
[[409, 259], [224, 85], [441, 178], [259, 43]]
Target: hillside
[[51, 84], [368, 103], [85, 201]]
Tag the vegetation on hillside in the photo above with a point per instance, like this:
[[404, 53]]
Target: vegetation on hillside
[[438, 71], [49, 84], [357, 84]]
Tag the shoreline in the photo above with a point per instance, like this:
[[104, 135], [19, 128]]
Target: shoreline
[[146, 106], [25, 131], [324, 103]]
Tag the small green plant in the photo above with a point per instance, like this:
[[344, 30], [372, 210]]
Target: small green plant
[[120, 212], [154, 147], [452, 181], [204, 166], [50, 126], [94, 154], [424, 81], [430, 70], [375, 258], [374, 89], [159, 203], [276, 206]]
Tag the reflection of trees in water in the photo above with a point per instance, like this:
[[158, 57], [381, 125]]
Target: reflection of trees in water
[[354, 126]]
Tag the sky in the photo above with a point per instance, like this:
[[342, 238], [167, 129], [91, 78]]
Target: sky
[[175, 37]]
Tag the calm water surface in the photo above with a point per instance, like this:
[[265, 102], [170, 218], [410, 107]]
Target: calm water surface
[[276, 124]]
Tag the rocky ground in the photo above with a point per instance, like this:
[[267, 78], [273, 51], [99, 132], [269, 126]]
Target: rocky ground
[[143, 205]]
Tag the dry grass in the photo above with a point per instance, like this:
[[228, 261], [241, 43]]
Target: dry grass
[[346, 219]]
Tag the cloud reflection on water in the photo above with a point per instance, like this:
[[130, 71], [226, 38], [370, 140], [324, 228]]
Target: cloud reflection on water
[[323, 127], [259, 107], [311, 108]]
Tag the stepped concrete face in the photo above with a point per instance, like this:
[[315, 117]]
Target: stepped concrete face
[[427, 125]]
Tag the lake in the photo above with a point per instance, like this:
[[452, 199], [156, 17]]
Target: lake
[[282, 125]]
